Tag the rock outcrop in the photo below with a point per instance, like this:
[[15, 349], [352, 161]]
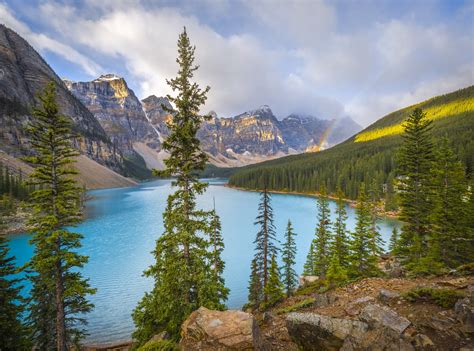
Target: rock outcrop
[[316, 332], [208, 330], [118, 111]]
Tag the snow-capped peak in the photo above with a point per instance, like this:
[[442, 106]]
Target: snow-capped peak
[[108, 77]]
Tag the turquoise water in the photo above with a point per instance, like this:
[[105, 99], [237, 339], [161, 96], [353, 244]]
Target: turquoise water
[[122, 227]]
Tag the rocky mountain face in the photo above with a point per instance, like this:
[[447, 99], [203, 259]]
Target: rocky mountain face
[[118, 111], [23, 74], [257, 135]]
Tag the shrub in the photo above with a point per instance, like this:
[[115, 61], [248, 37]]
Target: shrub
[[159, 345], [310, 288], [442, 297], [297, 306]]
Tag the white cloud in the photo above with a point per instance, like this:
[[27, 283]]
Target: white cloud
[[294, 55], [43, 42]]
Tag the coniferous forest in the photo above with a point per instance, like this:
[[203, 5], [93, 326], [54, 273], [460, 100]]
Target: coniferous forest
[[358, 289]]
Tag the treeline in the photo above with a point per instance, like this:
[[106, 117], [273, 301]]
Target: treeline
[[349, 164], [437, 207], [335, 254]]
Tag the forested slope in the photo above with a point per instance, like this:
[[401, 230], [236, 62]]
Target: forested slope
[[369, 156]]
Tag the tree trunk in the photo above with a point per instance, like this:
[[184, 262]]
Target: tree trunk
[[60, 314]]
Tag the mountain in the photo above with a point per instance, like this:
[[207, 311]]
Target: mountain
[[368, 156], [255, 135], [122, 116], [24, 74]]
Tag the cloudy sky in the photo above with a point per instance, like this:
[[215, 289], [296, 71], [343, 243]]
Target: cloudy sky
[[326, 58]]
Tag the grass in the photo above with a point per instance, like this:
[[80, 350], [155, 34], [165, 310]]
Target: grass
[[318, 286], [442, 297], [297, 306]]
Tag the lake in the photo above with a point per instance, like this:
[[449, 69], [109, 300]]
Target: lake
[[122, 226]]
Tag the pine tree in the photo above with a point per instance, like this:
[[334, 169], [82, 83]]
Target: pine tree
[[376, 242], [184, 272], [274, 288], [336, 273], [340, 244], [363, 260], [308, 268], [57, 284], [255, 287], [393, 240], [216, 285], [265, 247], [323, 236], [450, 239], [415, 160], [290, 278], [13, 334]]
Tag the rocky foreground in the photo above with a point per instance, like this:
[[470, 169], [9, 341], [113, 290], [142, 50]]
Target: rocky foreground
[[434, 313]]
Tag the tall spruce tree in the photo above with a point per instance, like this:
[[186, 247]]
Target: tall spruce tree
[[274, 288], [415, 161], [184, 254], [363, 259], [340, 243], [265, 240], [59, 292], [13, 334], [255, 287], [336, 273], [323, 235], [450, 241], [308, 268], [394, 237], [217, 284], [290, 278]]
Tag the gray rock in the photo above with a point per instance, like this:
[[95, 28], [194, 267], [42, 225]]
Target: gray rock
[[312, 331], [378, 316], [464, 311], [387, 295], [321, 300]]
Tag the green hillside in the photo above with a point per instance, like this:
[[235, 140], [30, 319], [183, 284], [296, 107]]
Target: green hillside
[[369, 156]]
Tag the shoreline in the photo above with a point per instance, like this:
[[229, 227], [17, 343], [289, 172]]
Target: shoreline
[[352, 203]]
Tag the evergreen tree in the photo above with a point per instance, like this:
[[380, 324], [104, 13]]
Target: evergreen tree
[[415, 160], [274, 288], [13, 334], [57, 284], [450, 241], [255, 287], [217, 284], [336, 273], [340, 244], [363, 260], [308, 268], [393, 240], [323, 235], [265, 239], [184, 272], [290, 278], [376, 242]]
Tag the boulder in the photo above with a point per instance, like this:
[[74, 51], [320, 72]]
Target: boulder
[[423, 342], [464, 310], [353, 308], [208, 330], [307, 279], [378, 316], [321, 300], [387, 295], [312, 331]]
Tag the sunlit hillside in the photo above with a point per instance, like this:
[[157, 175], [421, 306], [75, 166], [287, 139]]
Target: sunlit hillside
[[369, 156]]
